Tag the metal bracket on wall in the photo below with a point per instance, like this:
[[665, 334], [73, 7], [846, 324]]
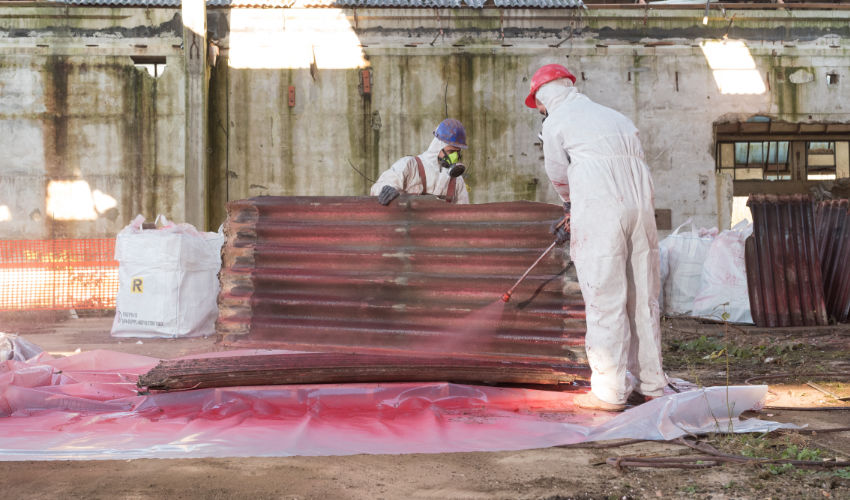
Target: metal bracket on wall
[[663, 219], [365, 82]]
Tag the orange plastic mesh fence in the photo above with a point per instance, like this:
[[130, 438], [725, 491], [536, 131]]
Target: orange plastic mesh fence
[[57, 274]]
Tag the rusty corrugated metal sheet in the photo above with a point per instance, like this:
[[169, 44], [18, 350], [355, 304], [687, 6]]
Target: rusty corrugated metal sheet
[[345, 273], [334, 368], [783, 267], [833, 233]]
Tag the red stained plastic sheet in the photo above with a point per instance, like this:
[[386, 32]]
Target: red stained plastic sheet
[[85, 407]]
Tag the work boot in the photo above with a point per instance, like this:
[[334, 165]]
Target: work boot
[[590, 402], [637, 399]]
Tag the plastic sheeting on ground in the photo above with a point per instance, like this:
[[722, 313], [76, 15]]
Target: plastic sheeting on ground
[[86, 407]]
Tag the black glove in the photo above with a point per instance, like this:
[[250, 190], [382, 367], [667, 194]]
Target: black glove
[[561, 230], [387, 195]]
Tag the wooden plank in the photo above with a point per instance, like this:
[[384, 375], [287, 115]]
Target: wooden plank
[[323, 368]]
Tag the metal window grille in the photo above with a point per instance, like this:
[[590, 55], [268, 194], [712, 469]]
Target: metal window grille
[[770, 158], [58, 274]]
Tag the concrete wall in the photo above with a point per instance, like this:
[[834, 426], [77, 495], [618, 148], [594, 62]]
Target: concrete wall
[[647, 64], [88, 140], [73, 108]]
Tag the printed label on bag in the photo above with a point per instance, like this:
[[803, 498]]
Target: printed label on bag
[[131, 318], [136, 285]]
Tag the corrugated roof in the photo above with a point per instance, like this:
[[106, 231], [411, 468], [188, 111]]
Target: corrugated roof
[[345, 273], [473, 4], [539, 4], [120, 3], [149, 3], [783, 268], [445, 4]]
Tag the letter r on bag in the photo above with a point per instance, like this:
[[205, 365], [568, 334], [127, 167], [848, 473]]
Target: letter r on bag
[[137, 285]]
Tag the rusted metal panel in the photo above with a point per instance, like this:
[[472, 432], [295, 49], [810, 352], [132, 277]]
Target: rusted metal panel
[[329, 368], [419, 275], [783, 267], [833, 233]]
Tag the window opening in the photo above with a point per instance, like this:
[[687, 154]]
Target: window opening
[[820, 161], [832, 78], [154, 65], [760, 160]]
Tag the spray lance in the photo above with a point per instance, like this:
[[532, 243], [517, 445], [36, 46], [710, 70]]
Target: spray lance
[[507, 295]]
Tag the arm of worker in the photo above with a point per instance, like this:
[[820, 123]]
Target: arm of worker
[[398, 175], [461, 192], [557, 161], [392, 182], [560, 228]]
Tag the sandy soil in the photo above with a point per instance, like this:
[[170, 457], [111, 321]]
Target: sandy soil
[[546, 473]]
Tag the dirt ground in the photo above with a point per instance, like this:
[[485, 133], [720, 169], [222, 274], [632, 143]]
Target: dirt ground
[[709, 354]]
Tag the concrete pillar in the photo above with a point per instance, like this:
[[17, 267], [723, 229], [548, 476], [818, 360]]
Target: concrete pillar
[[725, 200], [194, 14]]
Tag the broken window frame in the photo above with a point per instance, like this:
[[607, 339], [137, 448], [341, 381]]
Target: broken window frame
[[823, 171], [798, 136], [154, 65], [770, 171]]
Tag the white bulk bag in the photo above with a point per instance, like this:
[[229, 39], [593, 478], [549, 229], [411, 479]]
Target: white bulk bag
[[167, 280], [686, 253], [723, 284]]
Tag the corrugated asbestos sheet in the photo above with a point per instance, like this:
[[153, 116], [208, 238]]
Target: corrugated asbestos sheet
[[420, 275], [783, 267], [145, 3], [539, 4], [407, 4], [833, 233], [121, 3], [335, 368]]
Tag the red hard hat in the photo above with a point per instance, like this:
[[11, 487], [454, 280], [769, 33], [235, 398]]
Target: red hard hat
[[545, 75]]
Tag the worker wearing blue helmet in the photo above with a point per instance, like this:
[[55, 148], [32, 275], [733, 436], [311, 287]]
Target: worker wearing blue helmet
[[438, 170]]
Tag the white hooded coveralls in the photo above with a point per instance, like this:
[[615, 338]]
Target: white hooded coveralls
[[404, 175], [595, 160]]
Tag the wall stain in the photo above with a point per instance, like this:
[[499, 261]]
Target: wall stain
[[55, 133], [173, 27]]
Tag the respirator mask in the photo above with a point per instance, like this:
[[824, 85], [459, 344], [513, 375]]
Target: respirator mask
[[451, 161]]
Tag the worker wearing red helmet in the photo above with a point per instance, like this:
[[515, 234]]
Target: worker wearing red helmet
[[437, 170], [594, 158]]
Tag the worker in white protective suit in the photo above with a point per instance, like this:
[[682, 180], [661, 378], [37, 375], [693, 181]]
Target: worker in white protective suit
[[436, 171], [596, 163]]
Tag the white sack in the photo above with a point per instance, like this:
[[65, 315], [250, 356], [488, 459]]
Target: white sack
[[167, 281], [723, 284], [686, 253]]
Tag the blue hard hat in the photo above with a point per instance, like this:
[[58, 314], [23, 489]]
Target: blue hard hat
[[452, 133]]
